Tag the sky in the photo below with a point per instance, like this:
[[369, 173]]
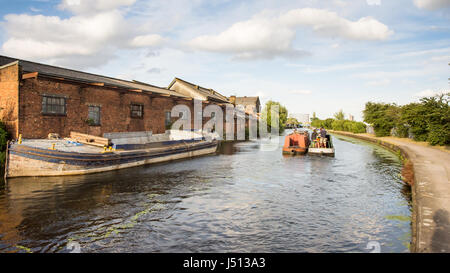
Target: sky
[[310, 55]]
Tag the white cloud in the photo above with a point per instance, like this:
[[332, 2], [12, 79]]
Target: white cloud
[[147, 40], [340, 3], [89, 6], [373, 2], [266, 36], [330, 24], [429, 93], [258, 37], [432, 4], [88, 38], [50, 36]]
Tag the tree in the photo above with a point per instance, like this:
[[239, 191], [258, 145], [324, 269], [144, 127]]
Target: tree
[[339, 115], [292, 121], [281, 116], [427, 120], [382, 116]]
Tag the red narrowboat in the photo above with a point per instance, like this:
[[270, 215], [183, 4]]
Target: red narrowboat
[[296, 143]]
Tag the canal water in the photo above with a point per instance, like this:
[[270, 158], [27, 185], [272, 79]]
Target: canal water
[[244, 199]]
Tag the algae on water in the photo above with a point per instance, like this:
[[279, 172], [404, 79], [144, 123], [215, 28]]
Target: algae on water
[[401, 218]]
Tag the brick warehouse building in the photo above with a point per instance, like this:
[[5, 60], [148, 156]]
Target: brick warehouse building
[[38, 99]]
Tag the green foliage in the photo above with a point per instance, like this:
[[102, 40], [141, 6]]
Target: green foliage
[[340, 125], [428, 120], [4, 137], [327, 123], [438, 119], [292, 121], [339, 115], [382, 116], [317, 123], [402, 130], [2, 160], [314, 117], [358, 127], [282, 116], [415, 115]]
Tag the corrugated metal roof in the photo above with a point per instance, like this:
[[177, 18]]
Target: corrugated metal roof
[[70, 74], [246, 100], [209, 93]]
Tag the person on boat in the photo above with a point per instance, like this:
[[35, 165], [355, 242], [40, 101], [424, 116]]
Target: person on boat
[[308, 140], [323, 137], [314, 137]]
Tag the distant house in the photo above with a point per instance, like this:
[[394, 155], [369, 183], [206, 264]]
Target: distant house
[[252, 105], [197, 92]]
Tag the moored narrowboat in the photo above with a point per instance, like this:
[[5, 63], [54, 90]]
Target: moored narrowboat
[[296, 143], [64, 157]]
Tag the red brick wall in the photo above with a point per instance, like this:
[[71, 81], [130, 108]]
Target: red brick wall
[[115, 109], [9, 92]]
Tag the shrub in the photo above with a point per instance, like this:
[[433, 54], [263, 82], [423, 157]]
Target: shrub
[[358, 127], [402, 130], [415, 115], [439, 135], [427, 120], [340, 125], [382, 116], [4, 137]]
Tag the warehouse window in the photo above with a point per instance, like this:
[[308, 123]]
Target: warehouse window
[[168, 118], [94, 115], [137, 110], [53, 105]]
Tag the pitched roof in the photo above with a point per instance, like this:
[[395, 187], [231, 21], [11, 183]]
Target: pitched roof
[[69, 74], [209, 93], [246, 100]]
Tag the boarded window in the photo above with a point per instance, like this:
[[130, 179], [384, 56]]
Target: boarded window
[[137, 110], [94, 115], [53, 105]]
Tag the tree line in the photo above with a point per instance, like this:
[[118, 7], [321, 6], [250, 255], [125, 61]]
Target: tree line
[[339, 123], [427, 120]]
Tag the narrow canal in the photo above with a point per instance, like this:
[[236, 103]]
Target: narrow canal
[[244, 199]]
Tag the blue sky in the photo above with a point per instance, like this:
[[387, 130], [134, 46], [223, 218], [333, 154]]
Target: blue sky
[[312, 56]]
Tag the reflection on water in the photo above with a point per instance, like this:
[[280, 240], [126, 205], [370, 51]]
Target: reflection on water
[[240, 200]]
